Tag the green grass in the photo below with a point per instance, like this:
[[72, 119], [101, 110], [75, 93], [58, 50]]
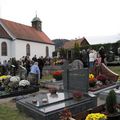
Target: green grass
[[8, 111], [116, 69], [48, 77]]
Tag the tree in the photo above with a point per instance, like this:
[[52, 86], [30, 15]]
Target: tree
[[76, 50]]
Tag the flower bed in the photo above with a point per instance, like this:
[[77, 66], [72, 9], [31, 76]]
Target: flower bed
[[4, 94], [13, 86]]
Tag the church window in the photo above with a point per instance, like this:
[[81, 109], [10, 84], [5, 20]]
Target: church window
[[28, 50], [47, 51], [4, 49]]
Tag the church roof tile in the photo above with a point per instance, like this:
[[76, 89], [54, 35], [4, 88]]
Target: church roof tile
[[24, 32]]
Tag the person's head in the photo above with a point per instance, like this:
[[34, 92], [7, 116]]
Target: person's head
[[35, 63]]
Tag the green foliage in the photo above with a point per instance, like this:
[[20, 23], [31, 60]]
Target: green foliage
[[76, 50], [111, 102], [108, 46], [63, 53]]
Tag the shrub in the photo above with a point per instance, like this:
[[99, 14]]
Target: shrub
[[111, 102]]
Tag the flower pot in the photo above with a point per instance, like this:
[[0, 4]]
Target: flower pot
[[57, 78], [92, 84]]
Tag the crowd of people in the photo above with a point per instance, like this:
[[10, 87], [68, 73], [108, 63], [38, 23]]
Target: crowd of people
[[33, 67], [30, 67]]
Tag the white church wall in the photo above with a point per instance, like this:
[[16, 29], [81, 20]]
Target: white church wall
[[8, 42], [36, 48]]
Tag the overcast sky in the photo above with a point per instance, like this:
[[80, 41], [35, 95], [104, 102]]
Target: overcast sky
[[68, 19]]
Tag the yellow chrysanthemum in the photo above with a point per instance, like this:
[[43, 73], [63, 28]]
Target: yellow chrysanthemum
[[91, 77], [96, 116], [4, 77]]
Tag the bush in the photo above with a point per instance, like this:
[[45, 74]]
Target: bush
[[111, 102]]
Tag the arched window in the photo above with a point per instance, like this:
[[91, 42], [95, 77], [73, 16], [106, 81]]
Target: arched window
[[47, 51], [4, 49], [27, 50]]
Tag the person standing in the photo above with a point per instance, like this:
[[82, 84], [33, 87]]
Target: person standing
[[34, 74], [92, 58], [102, 54], [41, 65]]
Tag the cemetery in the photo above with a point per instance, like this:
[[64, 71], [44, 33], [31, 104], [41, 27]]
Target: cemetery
[[72, 87]]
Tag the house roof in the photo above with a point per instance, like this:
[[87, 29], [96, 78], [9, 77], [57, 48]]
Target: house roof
[[70, 44], [24, 32]]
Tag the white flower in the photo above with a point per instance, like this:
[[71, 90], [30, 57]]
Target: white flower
[[24, 83], [15, 79]]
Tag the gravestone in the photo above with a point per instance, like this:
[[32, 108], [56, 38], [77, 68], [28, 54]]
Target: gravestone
[[75, 78]]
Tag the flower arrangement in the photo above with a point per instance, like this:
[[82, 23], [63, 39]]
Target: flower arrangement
[[77, 95], [14, 79], [4, 77], [92, 80], [24, 83], [65, 114], [57, 75], [12, 86], [101, 78], [96, 116]]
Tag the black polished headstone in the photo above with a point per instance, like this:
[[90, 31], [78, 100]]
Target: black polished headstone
[[75, 79]]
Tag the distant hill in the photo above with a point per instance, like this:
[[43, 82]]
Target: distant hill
[[118, 41], [59, 42]]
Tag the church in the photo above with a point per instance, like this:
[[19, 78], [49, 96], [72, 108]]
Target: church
[[17, 40]]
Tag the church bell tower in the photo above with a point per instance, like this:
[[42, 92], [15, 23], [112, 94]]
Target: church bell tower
[[37, 23]]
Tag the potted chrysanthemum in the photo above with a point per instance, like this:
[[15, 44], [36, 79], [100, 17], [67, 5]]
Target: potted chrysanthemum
[[92, 80], [96, 116]]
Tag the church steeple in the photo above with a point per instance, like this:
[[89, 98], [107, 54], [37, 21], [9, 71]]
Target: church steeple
[[37, 23]]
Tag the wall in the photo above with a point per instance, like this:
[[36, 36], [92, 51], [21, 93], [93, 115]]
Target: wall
[[35, 48]]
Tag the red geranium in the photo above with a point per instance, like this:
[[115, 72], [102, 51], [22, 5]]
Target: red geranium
[[57, 75]]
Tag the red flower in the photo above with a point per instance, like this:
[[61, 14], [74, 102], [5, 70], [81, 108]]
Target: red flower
[[57, 73], [101, 77]]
